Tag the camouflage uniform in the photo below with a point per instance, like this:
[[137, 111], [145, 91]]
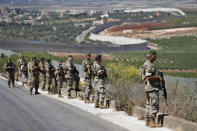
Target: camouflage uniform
[[69, 76], [29, 65], [34, 67], [10, 67], [99, 81], [151, 89], [24, 71], [50, 75], [59, 77], [42, 75], [88, 78], [19, 63]]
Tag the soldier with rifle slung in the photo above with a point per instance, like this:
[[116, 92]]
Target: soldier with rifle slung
[[50, 75], [42, 73], [88, 77], [100, 75], [60, 78], [35, 71], [68, 69], [10, 68], [152, 86]]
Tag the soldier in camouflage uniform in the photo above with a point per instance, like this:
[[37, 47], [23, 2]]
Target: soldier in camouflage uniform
[[152, 86], [10, 68], [24, 71], [68, 69], [99, 81], [88, 77], [50, 75], [29, 64], [60, 78], [35, 70], [19, 64], [42, 74]]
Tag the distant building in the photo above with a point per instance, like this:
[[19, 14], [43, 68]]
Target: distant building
[[104, 16], [98, 22], [62, 14], [112, 20], [74, 12], [45, 14], [92, 12], [157, 14], [8, 20]]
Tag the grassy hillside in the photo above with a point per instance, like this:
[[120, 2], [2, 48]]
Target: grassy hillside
[[175, 53]]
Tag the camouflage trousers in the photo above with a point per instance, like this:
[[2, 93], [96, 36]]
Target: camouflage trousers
[[59, 84], [42, 81], [34, 84], [99, 91], [11, 78], [49, 82], [152, 105], [69, 84], [88, 89]]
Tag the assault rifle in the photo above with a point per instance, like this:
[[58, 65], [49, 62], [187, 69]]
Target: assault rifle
[[163, 87]]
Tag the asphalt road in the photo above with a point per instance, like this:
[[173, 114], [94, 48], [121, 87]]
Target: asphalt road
[[21, 112]]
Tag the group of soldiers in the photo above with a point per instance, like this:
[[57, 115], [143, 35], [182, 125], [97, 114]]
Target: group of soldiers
[[95, 75], [41, 74]]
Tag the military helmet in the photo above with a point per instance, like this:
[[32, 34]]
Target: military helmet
[[88, 54], [151, 52], [98, 57]]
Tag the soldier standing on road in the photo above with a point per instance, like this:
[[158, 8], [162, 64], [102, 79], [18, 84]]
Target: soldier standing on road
[[42, 73], [60, 78], [88, 77], [152, 86], [10, 68], [50, 75], [24, 71], [100, 74], [19, 64], [29, 64], [35, 70], [68, 69]]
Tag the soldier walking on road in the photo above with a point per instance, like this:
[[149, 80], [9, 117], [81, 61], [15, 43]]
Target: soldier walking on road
[[34, 76], [24, 71], [68, 69], [152, 86], [42, 73], [50, 75], [60, 78], [100, 74], [10, 68], [88, 77]]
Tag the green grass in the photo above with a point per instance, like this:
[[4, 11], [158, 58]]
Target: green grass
[[175, 53]]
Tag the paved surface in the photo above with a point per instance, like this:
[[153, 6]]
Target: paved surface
[[80, 38], [21, 112]]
